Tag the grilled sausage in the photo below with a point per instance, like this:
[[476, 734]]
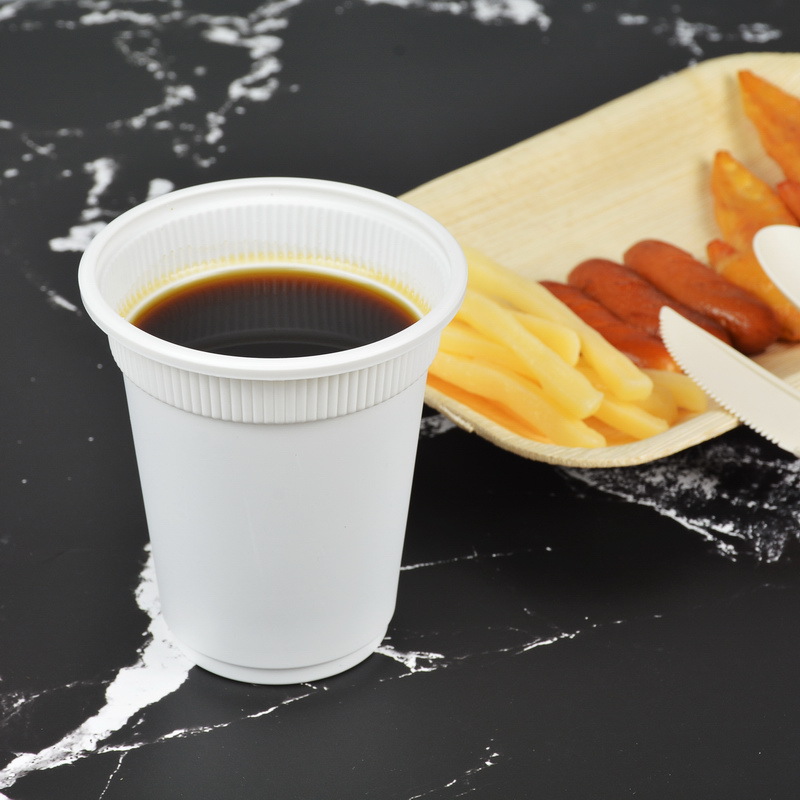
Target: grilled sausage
[[644, 350], [751, 323], [633, 298]]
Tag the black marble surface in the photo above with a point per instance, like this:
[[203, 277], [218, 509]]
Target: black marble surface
[[559, 633]]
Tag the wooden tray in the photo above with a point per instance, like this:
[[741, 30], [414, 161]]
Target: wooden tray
[[635, 168]]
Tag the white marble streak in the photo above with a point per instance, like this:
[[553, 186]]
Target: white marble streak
[[435, 425], [569, 635], [57, 301], [78, 238], [543, 642], [474, 555], [93, 217], [692, 35], [160, 669], [414, 661], [760, 520], [198, 132], [122, 750], [138, 37], [517, 12], [112, 776], [200, 730], [464, 784], [14, 704], [759, 33]]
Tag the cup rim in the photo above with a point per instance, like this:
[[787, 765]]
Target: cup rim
[[178, 356]]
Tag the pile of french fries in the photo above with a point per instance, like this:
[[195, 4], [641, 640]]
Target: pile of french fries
[[519, 356]]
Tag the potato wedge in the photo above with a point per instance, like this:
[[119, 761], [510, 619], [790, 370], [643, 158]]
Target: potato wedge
[[776, 116], [743, 203]]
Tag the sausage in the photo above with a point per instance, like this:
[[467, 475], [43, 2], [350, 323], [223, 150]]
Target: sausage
[[646, 351], [633, 298], [751, 323]]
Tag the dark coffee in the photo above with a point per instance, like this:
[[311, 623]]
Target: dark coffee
[[274, 313]]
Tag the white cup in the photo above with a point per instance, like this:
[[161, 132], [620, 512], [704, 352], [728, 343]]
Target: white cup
[[276, 489]]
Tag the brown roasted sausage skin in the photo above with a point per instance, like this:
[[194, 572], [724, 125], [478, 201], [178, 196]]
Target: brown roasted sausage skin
[[633, 298], [646, 351], [751, 323]]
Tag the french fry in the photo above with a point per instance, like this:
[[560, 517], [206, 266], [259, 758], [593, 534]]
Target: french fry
[[687, 393], [776, 116], [518, 395], [487, 408], [622, 377], [661, 402], [621, 415], [630, 418], [611, 435], [562, 383], [557, 336], [460, 339], [743, 203]]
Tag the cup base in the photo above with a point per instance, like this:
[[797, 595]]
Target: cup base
[[268, 676]]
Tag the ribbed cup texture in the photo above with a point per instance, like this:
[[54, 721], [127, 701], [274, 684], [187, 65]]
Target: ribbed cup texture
[[259, 222], [274, 401]]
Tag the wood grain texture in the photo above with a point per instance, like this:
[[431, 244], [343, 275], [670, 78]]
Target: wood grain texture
[[635, 168]]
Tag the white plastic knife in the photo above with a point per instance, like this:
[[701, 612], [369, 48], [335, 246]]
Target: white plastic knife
[[741, 386]]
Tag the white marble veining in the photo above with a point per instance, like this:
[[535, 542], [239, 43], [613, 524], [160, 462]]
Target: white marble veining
[[757, 520], [159, 670], [465, 783], [194, 126]]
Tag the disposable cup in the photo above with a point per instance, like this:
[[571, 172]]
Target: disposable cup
[[276, 489]]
